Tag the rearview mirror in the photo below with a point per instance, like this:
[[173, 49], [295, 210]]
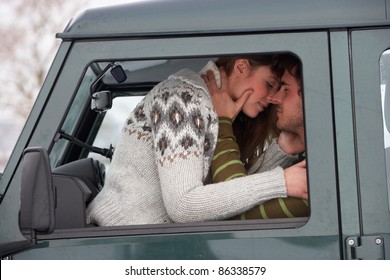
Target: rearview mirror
[[101, 101]]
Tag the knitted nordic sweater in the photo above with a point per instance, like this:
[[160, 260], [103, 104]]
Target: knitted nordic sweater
[[160, 169]]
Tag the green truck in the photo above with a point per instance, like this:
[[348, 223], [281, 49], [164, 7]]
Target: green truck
[[111, 57]]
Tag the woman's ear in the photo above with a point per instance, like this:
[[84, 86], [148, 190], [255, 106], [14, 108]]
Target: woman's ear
[[241, 67]]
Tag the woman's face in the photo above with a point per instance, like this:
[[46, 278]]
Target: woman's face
[[261, 83]]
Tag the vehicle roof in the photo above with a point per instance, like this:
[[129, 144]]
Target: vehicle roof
[[167, 17]]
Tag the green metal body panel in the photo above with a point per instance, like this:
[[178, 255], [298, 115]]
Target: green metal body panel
[[188, 246], [339, 44]]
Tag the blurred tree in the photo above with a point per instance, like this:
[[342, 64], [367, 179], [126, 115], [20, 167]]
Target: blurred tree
[[27, 48], [28, 45]]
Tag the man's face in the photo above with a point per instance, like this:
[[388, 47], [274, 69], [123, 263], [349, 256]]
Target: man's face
[[288, 102]]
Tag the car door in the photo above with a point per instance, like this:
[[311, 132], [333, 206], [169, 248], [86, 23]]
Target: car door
[[316, 237], [371, 93]]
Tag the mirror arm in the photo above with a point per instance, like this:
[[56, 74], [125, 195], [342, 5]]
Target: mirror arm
[[108, 153]]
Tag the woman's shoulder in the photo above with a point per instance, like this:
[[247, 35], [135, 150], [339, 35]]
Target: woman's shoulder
[[188, 77], [185, 85]]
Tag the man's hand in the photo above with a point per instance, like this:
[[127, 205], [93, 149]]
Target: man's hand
[[296, 181], [223, 103]]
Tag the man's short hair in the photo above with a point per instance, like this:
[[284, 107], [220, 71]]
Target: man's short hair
[[292, 64]]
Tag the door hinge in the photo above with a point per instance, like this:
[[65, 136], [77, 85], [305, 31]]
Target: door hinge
[[365, 247]]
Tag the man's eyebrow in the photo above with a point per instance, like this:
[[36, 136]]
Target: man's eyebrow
[[283, 83]]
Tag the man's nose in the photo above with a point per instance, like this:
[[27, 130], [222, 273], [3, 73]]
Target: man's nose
[[275, 98]]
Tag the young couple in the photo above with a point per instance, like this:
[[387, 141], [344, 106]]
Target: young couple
[[161, 170]]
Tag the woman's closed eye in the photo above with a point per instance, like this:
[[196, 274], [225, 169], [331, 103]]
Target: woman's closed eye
[[273, 85]]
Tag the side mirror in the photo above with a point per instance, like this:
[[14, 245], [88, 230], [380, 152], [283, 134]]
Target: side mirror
[[37, 198]]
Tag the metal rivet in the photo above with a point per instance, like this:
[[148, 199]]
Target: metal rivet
[[378, 241], [351, 242]]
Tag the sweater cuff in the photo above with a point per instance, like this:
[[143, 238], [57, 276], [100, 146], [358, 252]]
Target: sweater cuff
[[273, 182]]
